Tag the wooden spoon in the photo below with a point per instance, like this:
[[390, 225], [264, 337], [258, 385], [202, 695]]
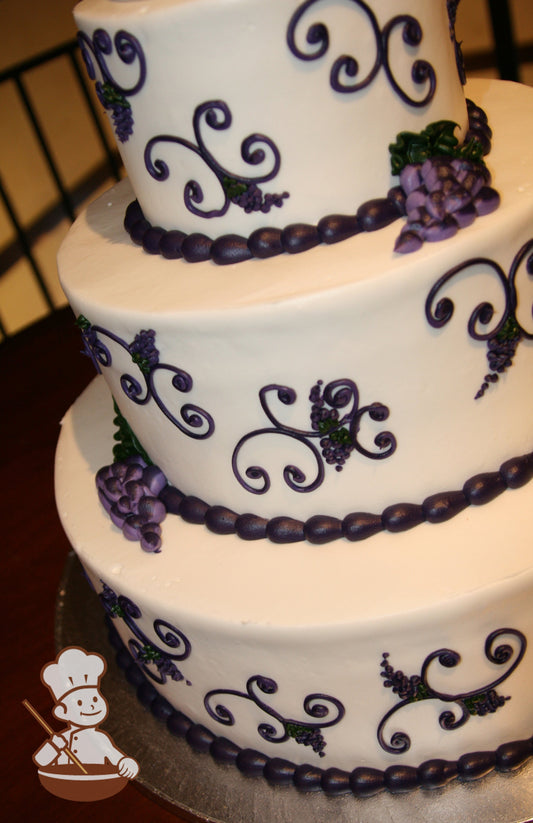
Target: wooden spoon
[[47, 728]]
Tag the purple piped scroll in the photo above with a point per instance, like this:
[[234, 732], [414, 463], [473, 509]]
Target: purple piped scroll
[[335, 422], [345, 68]]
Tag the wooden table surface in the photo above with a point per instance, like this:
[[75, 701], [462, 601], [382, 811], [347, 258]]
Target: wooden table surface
[[42, 372]]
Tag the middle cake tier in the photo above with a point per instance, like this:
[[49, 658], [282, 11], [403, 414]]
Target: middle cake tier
[[346, 379]]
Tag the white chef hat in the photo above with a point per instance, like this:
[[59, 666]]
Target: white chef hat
[[73, 669]]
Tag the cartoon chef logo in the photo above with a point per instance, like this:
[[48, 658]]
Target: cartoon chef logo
[[80, 762]]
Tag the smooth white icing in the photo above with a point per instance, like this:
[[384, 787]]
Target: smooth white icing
[[317, 619], [355, 311], [333, 146]]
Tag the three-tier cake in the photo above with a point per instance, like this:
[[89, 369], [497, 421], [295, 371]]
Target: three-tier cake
[[311, 306]]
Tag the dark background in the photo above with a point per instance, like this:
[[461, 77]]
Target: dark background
[[41, 372]]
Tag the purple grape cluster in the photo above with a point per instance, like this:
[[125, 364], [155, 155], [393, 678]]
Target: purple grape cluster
[[336, 443], [500, 353], [486, 703], [165, 666], [407, 688], [143, 350], [251, 198], [129, 491], [307, 737], [112, 100], [442, 195]]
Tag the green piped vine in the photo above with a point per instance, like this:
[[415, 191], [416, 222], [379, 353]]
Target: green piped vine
[[127, 443]]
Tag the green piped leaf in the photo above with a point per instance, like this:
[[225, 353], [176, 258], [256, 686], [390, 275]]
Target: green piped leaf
[[113, 97], [295, 729], [436, 139], [142, 362], [233, 188], [82, 322], [148, 654], [341, 436], [510, 329], [117, 610]]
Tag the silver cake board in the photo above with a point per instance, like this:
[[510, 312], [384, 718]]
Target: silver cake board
[[193, 785]]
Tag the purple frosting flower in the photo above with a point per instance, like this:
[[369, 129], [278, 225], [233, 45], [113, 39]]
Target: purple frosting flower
[[129, 491], [442, 195]]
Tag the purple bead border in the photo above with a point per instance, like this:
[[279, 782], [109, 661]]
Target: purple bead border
[[361, 782], [299, 237], [264, 242], [437, 508]]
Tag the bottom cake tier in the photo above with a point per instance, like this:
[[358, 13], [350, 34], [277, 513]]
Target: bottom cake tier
[[307, 660]]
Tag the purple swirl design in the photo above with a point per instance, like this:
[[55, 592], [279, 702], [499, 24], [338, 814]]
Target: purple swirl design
[[217, 115], [111, 94], [156, 661], [195, 422], [452, 15], [339, 395], [279, 729], [481, 701], [422, 72], [101, 46], [345, 69], [512, 317]]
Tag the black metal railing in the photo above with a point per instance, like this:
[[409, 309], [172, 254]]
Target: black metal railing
[[67, 199]]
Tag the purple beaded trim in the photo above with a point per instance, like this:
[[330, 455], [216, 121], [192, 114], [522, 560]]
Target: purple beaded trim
[[299, 237], [361, 782], [477, 491], [262, 243]]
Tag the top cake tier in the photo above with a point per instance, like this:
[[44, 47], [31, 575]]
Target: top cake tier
[[231, 115]]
